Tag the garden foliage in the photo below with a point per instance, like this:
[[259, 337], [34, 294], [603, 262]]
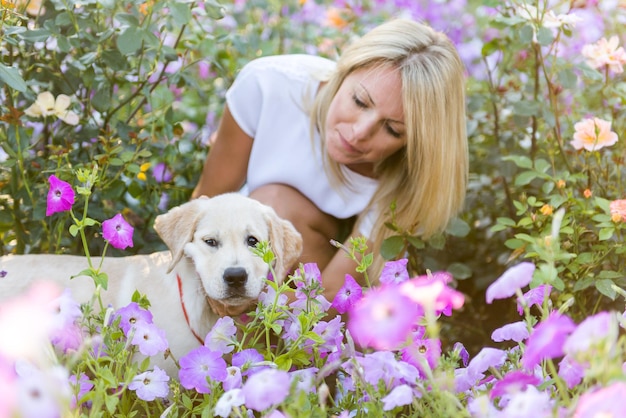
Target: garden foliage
[[108, 105]]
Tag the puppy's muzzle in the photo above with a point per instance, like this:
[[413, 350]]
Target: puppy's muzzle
[[235, 276]]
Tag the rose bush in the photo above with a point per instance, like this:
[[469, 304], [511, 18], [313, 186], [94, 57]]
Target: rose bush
[[110, 104]]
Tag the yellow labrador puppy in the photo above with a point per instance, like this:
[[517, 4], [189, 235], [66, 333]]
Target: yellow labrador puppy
[[209, 267]]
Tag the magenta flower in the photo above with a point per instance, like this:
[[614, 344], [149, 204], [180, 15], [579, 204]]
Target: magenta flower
[[131, 315], [517, 331], [348, 295], [423, 354], [118, 232], [60, 196], [514, 278], [394, 272], [547, 339], [383, 318], [534, 296], [151, 384], [200, 365], [149, 339], [606, 402], [266, 389], [512, 382], [221, 337], [432, 292]]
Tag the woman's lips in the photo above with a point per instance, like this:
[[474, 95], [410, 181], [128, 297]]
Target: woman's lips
[[346, 145]]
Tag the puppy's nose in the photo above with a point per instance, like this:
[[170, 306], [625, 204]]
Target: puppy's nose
[[235, 276]]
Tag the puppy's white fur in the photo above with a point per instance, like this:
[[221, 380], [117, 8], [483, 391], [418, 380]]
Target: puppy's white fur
[[205, 237]]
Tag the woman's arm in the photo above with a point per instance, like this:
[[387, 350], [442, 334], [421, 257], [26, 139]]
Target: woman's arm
[[227, 161]]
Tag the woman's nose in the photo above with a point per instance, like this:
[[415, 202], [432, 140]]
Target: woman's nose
[[363, 128]]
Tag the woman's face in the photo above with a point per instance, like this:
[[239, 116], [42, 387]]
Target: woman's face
[[365, 122]]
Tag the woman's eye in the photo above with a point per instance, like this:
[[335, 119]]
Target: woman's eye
[[392, 132], [211, 242], [358, 102], [252, 241]]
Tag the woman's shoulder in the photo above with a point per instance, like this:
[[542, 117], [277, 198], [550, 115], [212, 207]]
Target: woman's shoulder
[[297, 66]]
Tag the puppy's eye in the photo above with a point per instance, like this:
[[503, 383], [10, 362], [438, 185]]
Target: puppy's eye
[[211, 242], [252, 241]]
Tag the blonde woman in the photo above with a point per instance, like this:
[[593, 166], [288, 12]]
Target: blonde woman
[[328, 144]]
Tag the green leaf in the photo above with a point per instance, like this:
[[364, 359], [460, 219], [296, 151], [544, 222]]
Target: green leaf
[[567, 78], [129, 41], [606, 233], [526, 108], [459, 271], [458, 228], [525, 178], [605, 287], [544, 36], [391, 247], [74, 230], [12, 78], [180, 13]]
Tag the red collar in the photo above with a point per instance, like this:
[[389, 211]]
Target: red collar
[[182, 304]]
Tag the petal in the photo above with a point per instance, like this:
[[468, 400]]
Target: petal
[[62, 103], [45, 101]]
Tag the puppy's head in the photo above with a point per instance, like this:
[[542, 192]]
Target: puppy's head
[[217, 235]]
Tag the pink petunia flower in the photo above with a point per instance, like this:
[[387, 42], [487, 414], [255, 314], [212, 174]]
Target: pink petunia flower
[[593, 134], [432, 292], [593, 332], [606, 53], [60, 196], [423, 354], [605, 402], [547, 339], [534, 296], [348, 295], [571, 372], [517, 331], [118, 232], [512, 382], [382, 318]]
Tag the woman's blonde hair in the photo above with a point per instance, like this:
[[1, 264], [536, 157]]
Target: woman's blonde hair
[[427, 179]]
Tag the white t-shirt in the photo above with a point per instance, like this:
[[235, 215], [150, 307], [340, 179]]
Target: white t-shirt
[[269, 100]]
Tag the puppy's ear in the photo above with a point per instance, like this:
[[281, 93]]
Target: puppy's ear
[[176, 228], [286, 243]]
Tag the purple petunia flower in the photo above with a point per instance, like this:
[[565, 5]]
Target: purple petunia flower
[[227, 401], [394, 272], [161, 173], [571, 372], [534, 296], [221, 336], [199, 365], [486, 358], [248, 361], [83, 384], [60, 196], [150, 339], [512, 382], [304, 379], [266, 389], [330, 333], [399, 396], [348, 295], [517, 331], [423, 354], [383, 366], [382, 318], [531, 402], [462, 352], [515, 278], [131, 315], [547, 339], [151, 384], [118, 232]]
